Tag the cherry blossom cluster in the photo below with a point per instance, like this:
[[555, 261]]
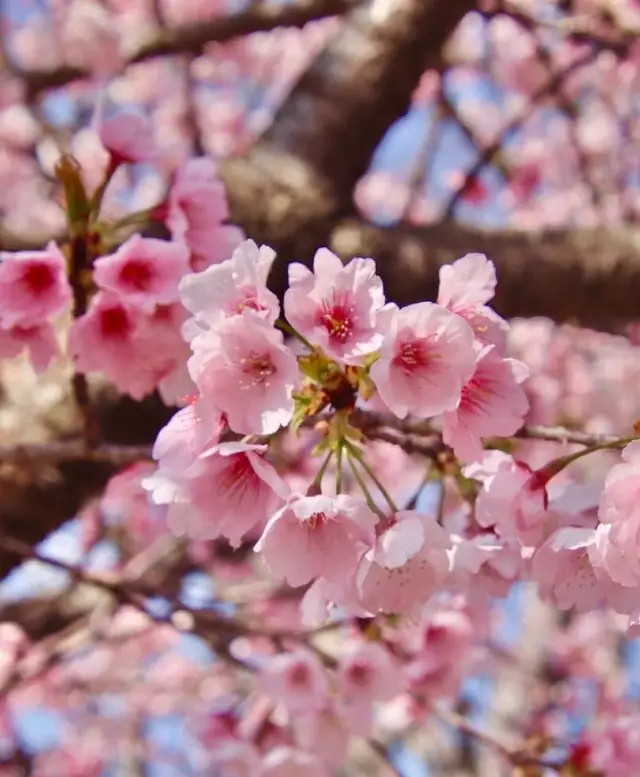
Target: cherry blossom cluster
[[132, 291]]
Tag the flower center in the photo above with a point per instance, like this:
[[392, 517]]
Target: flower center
[[39, 278], [137, 274], [316, 520], [360, 673], [412, 356], [337, 319], [249, 301], [258, 368], [115, 323], [299, 675]]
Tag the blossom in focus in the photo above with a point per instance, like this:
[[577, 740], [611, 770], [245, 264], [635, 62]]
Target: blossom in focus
[[465, 288], [511, 497], [493, 404], [227, 491], [405, 567], [245, 367], [426, 358], [317, 536], [338, 307], [226, 289]]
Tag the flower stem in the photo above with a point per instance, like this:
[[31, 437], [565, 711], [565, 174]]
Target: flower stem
[[339, 450], [372, 475], [363, 486]]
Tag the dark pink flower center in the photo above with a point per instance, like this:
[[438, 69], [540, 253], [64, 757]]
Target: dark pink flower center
[[360, 673], [239, 474], [337, 319], [258, 367], [316, 520], [136, 273], [299, 675], [412, 356], [115, 323], [39, 278]]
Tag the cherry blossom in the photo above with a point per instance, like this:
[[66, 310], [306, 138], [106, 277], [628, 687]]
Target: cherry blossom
[[246, 366], [340, 307], [128, 137], [197, 210], [407, 564], [511, 498], [426, 358], [317, 536], [143, 271], [226, 491], [493, 403], [234, 285], [33, 286], [296, 680]]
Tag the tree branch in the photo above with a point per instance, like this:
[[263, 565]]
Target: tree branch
[[191, 38]]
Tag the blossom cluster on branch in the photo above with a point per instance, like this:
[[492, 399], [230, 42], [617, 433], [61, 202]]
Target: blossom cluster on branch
[[280, 447]]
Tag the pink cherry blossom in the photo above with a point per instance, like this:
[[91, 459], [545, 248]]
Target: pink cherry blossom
[[289, 762], [446, 638], [296, 680], [226, 492], [616, 748], [244, 364], [234, 759], [143, 271], [323, 733], [406, 566], [128, 137], [493, 404], [197, 209], [465, 288], [511, 498], [366, 674], [620, 507], [39, 340], [33, 286], [339, 307], [189, 433], [484, 566], [228, 288], [120, 340], [317, 536], [563, 570], [426, 358]]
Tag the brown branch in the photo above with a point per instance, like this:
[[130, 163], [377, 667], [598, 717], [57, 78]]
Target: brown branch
[[191, 38], [587, 278]]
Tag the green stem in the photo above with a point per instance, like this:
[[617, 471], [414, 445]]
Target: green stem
[[554, 467], [363, 487], [285, 327], [339, 450], [372, 475], [317, 481]]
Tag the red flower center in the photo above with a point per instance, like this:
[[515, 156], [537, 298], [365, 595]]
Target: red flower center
[[115, 323], [412, 356], [136, 273], [39, 278], [337, 319]]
